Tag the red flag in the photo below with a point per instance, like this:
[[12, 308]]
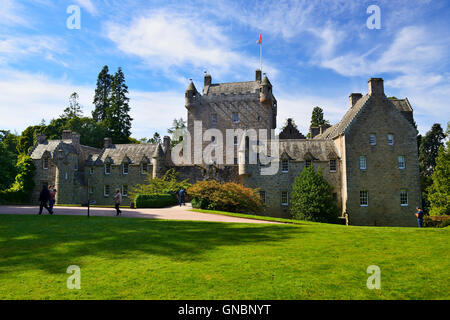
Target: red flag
[[259, 40]]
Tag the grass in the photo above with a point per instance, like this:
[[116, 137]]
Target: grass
[[126, 258]]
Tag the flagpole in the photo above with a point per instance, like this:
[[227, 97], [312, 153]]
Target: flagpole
[[260, 56]]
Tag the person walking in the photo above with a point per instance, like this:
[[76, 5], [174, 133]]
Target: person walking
[[51, 201], [117, 201], [419, 216], [44, 197], [181, 197]]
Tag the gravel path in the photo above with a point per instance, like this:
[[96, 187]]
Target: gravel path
[[172, 213]]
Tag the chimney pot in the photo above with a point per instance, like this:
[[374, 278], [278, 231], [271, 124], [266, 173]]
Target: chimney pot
[[41, 138], [376, 87], [354, 97], [258, 76], [107, 142], [208, 80]]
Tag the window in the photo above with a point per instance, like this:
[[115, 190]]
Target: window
[[214, 118], [284, 165], [66, 176], [75, 166], [213, 140], [91, 189], [235, 117], [390, 139], [144, 168], [125, 190], [404, 198], [401, 162], [45, 163], [125, 168], [235, 160], [262, 194], [284, 198], [333, 166], [363, 198], [107, 168], [372, 139], [362, 162], [235, 140], [307, 163], [106, 190], [91, 170]]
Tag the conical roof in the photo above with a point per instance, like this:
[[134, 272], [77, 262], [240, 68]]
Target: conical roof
[[159, 152], [191, 87]]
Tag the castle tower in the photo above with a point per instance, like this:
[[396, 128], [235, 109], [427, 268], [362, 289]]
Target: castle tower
[[158, 161]]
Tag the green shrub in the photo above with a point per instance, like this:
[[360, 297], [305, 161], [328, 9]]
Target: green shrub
[[231, 197], [14, 197], [311, 198], [155, 200]]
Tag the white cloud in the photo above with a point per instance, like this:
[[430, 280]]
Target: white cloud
[[88, 5], [28, 98], [10, 13], [165, 39]]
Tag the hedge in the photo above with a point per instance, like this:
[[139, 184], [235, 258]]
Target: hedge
[[14, 197], [155, 200]]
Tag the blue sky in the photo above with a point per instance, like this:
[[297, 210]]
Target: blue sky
[[314, 52]]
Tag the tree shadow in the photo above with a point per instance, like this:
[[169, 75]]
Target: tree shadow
[[51, 243]]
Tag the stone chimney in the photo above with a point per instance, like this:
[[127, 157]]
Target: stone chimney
[[376, 87], [208, 80], [75, 139], [323, 128], [354, 97], [258, 75], [314, 131], [107, 143], [166, 143], [41, 138], [67, 135]]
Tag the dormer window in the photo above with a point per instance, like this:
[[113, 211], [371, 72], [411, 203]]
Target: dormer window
[[125, 168], [284, 165], [107, 168], [144, 168], [333, 165], [45, 163]]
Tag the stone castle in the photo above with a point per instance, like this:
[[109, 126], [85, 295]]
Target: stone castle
[[370, 157]]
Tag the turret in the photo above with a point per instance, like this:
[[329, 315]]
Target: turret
[[158, 162], [191, 96], [265, 93]]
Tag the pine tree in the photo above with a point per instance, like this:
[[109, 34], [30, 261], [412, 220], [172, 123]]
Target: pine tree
[[118, 120], [102, 95], [428, 149], [317, 118], [74, 108], [311, 197]]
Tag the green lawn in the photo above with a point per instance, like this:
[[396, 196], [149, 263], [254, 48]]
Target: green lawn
[[125, 258]]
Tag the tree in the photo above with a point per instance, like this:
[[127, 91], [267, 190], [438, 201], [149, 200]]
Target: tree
[[317, 118], [156, 139], [428, 151], [439, 191], [102, 95], [287, 122], [28, 138], [118, 120], [311, 197], [429, 148], [177, 131], [7, 165], [74, 108]]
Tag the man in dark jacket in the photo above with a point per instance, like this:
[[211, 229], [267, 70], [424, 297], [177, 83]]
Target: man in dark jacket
[[419, 216], [44, 196]]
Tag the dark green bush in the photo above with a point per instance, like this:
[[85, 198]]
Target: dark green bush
[[14, 197], [155, 200]]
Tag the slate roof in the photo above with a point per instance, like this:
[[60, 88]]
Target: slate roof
[[298, 149], [51, 146], [339, 128], [134, 152], [233, 88]]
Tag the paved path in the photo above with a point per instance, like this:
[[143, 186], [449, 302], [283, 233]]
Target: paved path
[[172, 213]]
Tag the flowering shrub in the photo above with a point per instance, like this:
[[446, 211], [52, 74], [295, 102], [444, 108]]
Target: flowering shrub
[[229, 196]]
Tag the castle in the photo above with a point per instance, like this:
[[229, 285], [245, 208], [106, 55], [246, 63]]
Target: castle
[[370, 157]]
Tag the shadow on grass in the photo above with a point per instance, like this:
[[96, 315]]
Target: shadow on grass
[[51, 243]]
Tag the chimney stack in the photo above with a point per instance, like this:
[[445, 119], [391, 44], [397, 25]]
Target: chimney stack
[[208, 80], [166, 143], [75, 139], [107, 142], [41, 138], [258, 75], [314, 131], [66, 135], [376, 87], [354, 97]]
